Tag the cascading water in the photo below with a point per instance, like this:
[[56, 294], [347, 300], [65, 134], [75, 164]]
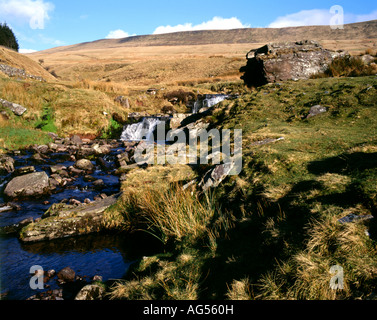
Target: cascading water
[[208, 101], [140, 131]]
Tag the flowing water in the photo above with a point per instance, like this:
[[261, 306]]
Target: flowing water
[[107, 255], [143, 130], [208, 101]]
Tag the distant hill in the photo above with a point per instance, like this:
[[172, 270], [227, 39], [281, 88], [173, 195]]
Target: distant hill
[[362, 30]]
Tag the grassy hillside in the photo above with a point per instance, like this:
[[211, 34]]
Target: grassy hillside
[[54, 107], [16, 60], [361, 30], [273, 231]]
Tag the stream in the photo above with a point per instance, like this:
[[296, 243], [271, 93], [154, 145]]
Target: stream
[[106, 255]]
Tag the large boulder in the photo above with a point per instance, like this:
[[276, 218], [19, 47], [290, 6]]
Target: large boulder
[[63, 220], [29, 185], [286, 61]]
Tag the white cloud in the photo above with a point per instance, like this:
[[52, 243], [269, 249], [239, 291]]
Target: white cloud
[[27, 51], [217, 23], [118, 34], [313, 17], [317, 17], [35, 13], [366, 17]]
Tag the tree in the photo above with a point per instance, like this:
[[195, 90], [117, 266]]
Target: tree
[[7, 37]]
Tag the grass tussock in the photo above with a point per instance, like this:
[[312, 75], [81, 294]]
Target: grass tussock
[[170, 214], [348, 66], [162, 278], [307, 275]]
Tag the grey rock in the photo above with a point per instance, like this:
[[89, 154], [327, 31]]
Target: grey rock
[[76, 140], [101, 150], [353, 218], [98, 184], [58, 168], [15, 228], [91, 292], [17, 109], [266, 141], [84, 164], [29, 185], [67, 275], [37, 158], [19, 73], [24, 170], [6, 164], [85, 151], [43, 149], [215, 176], [316, 110], [123, 101], [367, 59]]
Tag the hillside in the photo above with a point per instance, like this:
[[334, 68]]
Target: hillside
[[16, 60], [186, 57], [362, 30]]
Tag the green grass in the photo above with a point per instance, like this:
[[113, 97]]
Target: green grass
[[114, 130], [18, 138], [47, 121]]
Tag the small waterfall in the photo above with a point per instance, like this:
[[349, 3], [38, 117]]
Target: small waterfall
[[208, 101], [140, 131]]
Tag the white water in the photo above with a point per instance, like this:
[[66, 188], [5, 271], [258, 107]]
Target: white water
[[209, 101], [140, 131]]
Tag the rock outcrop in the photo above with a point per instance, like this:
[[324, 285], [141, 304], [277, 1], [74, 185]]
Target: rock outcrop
[[286, 61], [19, 73]]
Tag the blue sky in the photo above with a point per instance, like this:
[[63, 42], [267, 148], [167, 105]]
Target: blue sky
[[43, 24]]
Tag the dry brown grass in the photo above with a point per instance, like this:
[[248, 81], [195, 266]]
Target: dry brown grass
[[20, 61], [148, 66]]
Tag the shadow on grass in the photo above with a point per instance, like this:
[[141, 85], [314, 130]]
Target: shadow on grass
[[347, 164], [250, 249]]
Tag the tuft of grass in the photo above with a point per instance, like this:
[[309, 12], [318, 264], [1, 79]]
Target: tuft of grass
[[307, 274], [240, 290], [171, 214], [348, 66]]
